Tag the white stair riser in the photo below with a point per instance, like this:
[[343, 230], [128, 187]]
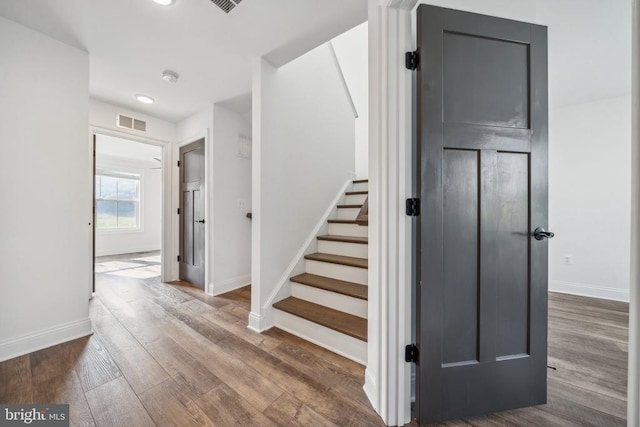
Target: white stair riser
[[357, 250], [348, 230], [354, 199], [348, 213], [337, 271], [360, 186], [334, 341], [336, 301]]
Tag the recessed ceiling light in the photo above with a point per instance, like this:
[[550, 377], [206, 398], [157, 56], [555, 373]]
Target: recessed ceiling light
[[164, 2], [145, 99], [170, 76]]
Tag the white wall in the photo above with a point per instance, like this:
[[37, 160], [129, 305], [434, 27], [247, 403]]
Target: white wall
[[589, 208], [103, 115], [45, 184], [148, 237], [351, 49], [303, 132], [231, 189]]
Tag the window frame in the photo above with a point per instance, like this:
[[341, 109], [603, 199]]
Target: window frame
[[123, 173]]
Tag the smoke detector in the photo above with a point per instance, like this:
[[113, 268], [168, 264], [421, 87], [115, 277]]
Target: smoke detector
[[170, 76]]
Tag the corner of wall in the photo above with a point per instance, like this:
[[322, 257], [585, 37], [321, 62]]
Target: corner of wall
[[45, 338]]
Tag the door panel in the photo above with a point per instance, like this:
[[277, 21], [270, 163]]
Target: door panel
[[482, 143], [502, 98], [512, 260], [187, 229], [192, 225], [460, 280]]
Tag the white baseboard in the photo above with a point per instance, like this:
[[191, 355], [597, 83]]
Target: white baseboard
[[44, 338], [230, 284], [589, 290], [258, 323], [370, 389]]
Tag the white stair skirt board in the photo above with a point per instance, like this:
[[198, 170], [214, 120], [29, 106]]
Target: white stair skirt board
[[357, 250], [360, 186], [337, 271], [336, 301], [348, 213], [337, 342], [354, 230], [354, 199]]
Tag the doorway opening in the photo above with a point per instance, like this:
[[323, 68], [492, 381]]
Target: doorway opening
[[128, 210]]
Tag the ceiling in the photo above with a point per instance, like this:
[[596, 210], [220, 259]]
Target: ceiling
[[132, 41]]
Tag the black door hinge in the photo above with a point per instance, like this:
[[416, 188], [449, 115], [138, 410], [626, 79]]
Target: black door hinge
[[178, 258], [412, 60], [178, 211], [411, 354], [413, 207], [178, 163]]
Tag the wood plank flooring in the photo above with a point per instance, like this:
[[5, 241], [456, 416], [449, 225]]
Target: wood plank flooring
[[168, 354]]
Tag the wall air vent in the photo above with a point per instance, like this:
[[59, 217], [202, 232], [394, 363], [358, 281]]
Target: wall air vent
[[226, 5], [127, 122], [140, 125]]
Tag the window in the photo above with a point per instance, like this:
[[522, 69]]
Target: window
[[117, 200]]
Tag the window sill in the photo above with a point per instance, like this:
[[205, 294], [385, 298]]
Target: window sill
[[109, 231]]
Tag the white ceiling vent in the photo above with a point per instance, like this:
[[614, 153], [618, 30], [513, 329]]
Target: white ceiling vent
[[126, 122], [226, 5]]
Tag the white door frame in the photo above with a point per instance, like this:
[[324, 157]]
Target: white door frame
[[208, 206], [166, 245], [633, 394], [388, 376]]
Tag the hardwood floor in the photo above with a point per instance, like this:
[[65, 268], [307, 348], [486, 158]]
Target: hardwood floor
[[167, 354]]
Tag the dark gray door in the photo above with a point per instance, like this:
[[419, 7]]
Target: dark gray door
[[482, 141], [192, 221]]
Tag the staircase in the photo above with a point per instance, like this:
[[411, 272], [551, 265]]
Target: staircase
[[328, 302]]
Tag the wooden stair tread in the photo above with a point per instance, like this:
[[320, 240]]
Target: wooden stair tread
[[360, 181], [342, 221], [339, 321], [345, 239], [339, 259], [334, 285], [353, 193], [349, 206]]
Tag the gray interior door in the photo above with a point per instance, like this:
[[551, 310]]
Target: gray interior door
[[482, 276], [192, 221]]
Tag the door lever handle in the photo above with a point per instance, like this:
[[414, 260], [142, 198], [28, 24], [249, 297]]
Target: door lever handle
[[201, 221], [540, 234]]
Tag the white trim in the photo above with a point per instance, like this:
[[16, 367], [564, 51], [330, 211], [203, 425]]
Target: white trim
[[257, 323], [589, 290], [388, 377], [304, 248], [633, 391], [336, 342], [343, 80], [230, 284], [44, 338]]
